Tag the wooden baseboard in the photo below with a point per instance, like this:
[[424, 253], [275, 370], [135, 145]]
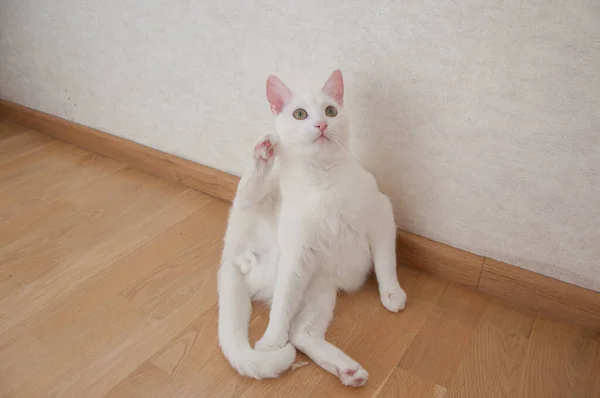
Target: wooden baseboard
[[570, 302], [160, 164], [498, 279], [436, 258]]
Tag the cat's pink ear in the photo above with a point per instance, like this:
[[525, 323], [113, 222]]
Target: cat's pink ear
[[334, 87], [278, 94]]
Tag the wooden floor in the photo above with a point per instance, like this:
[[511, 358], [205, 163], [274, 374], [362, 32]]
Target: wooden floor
[[107, 288]]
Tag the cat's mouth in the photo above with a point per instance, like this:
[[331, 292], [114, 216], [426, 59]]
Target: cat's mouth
[[322, 138]]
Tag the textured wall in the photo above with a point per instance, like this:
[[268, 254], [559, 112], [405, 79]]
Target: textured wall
[[480, 119]]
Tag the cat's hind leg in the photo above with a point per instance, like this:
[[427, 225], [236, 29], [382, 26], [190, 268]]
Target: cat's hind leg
[[246, 261], [307, 334]]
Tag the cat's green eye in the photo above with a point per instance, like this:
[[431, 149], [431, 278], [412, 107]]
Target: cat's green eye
[[330, 111], [300, 114]]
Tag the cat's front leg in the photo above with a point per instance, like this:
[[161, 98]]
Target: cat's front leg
[[295, 272], [383, 247], [251, 187]]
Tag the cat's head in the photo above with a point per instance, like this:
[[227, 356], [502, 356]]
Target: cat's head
[[310, 124]]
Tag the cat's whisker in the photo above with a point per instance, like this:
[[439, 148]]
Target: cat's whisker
[[350, 155]]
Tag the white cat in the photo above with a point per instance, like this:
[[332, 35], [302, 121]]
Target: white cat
[[307, 221]]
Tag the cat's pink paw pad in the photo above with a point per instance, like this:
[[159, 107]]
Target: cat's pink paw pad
[[353, 377], [265, 150]]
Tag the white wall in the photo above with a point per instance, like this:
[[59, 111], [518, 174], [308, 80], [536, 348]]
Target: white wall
[[480, 119]]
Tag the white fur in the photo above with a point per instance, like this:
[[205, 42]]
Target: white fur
[[307, 221]]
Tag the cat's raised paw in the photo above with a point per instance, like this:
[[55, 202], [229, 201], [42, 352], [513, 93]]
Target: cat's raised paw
[[264, 151], [394, 299], [353, 377]]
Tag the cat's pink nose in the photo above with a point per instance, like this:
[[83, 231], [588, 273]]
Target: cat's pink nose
[[321, 126]]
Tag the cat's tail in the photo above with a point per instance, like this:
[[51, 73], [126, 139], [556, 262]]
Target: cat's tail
[[235, 308]]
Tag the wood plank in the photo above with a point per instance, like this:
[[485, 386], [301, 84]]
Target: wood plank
[[406, 384], [106, 328], [53, 180], [9, 129], [16, 355], [195, 361], [37, 269], [24, 259], [491, 361], [558, 361], [592, 387], [184, 297], [437, 351], [438, 259], [23, 144], [170, 167], [53, 158], [148, 381], [551, 296]]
